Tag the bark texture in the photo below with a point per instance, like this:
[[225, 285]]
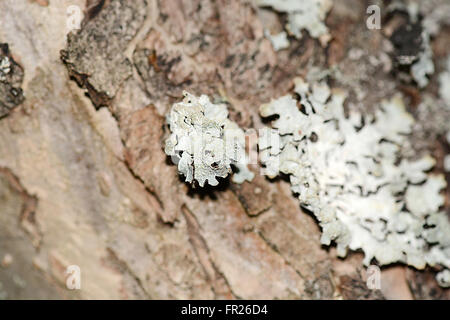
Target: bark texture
[[84, 179]]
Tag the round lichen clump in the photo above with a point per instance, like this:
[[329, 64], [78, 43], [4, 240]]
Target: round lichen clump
[[204, 143]]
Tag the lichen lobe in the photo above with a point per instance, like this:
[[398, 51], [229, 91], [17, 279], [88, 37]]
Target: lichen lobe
[[204, 143]]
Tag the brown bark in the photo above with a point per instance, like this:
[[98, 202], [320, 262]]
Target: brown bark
[[84, 179]]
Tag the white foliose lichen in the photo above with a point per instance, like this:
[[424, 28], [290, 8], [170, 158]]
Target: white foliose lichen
[[5, 67], [434, 13], [444, 92], [204, 143], [305, 14], [279, 41], [424, 66], [447, 157], [348, 171], [443, 278], [444, 83]]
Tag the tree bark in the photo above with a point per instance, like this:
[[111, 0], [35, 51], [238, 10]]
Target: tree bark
[[84, 179]]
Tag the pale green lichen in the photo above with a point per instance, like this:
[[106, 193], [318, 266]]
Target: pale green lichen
[[447, 157], [434, 13], [5, 67], [279, 41], [349, 172], [444, 92], [204, 143], [443, 278], [303, 15], [444, 83], [424, 66]]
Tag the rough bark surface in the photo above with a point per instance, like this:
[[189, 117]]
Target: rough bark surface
[[11, 77], [84, 179]]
